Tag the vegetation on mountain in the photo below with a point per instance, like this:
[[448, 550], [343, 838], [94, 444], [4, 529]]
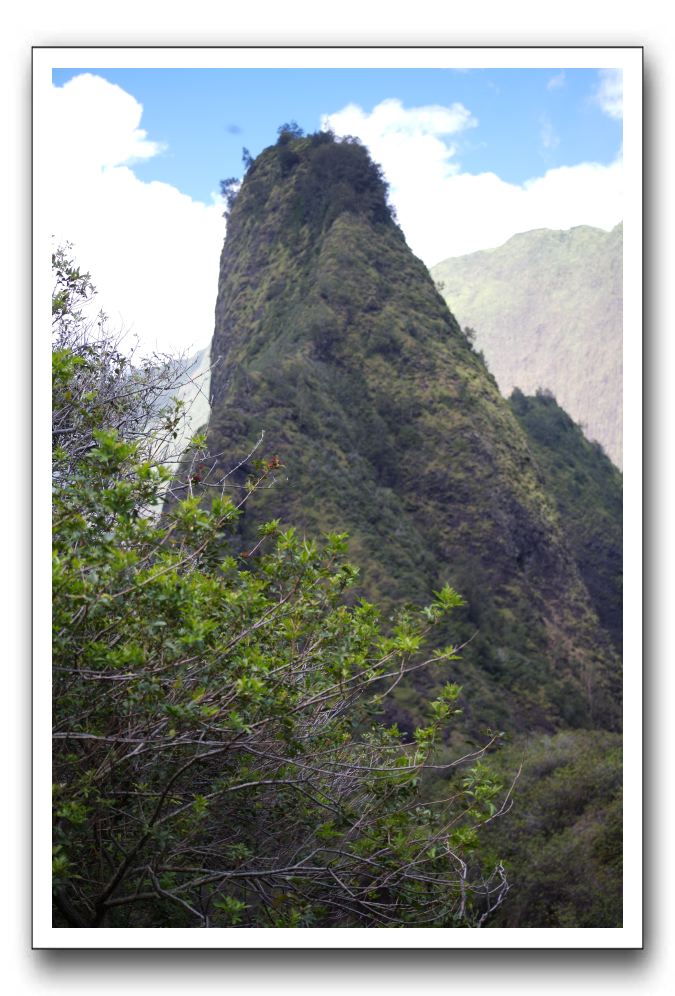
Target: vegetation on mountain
[[562, 844], [588, 490], [332, 339], [216, 761], [547, 312]]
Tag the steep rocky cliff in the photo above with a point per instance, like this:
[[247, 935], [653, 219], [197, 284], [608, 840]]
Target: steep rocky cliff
[[332, 338]]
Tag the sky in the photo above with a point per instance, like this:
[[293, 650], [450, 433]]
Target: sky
[[472, 157]]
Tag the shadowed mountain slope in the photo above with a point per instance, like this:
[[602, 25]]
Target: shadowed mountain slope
[[588, 490]]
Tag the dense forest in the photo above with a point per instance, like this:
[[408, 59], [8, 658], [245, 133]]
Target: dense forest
[[353, 659]]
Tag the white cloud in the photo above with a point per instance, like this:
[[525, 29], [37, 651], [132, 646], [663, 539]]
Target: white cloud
[[152, 251], [609, 95], [390, 117], [409, 143], [557, 81], [446, 212]]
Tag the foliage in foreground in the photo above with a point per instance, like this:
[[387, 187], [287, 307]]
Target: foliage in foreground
[[215, 763]]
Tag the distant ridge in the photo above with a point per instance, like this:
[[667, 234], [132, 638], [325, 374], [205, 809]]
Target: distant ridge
[[546, 308]]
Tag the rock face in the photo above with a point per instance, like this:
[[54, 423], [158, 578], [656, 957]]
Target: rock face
[[332, 338], [546, 308]]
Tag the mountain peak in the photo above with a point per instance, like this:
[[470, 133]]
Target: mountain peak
[[321, 176], [332, 338]]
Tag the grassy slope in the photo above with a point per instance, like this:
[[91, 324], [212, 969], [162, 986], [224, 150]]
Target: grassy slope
[[547, 310], [334, 339]]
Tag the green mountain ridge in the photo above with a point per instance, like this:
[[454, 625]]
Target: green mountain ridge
[[546, 308], [332, 338]]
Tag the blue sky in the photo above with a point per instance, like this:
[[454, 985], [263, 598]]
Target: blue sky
[[527, 120], [471, 157]]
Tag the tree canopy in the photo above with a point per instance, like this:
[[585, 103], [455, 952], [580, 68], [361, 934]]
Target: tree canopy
[[216, 757]]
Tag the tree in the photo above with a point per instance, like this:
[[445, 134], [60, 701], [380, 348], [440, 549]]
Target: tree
[[96, 383], [288, 131], [229, 189], [217, 760]]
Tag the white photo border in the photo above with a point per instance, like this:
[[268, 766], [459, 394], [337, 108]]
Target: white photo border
[[630, 60]]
